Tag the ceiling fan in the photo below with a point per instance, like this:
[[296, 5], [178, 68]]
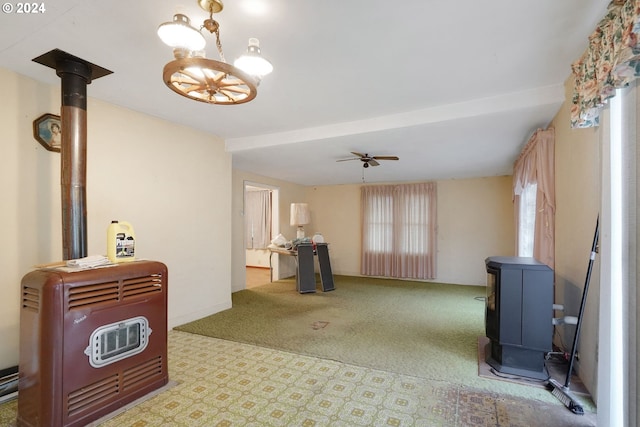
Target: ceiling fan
[[368, 160]]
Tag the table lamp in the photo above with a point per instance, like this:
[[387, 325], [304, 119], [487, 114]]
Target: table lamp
[[300, 215]]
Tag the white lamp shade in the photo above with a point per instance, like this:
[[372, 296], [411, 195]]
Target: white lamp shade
[[300, 214], [252, 61], [180, 34]]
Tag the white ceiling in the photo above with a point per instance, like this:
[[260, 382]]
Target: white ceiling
[[453, 88]]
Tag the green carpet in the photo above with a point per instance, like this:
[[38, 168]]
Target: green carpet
[[427, 330]]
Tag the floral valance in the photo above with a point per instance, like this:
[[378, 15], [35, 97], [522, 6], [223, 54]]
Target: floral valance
[[611, 61]]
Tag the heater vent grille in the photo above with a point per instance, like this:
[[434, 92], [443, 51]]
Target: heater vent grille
[[150, 370], [88, 295], [93, 394], [141, 285], [31, 299], [84, 296]]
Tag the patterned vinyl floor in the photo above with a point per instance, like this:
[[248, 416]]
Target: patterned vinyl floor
[[223, 383]]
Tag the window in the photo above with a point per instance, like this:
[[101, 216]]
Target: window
[[534, 197], [398, 230]]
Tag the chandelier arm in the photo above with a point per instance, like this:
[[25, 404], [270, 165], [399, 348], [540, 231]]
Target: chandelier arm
[[219, 77], [210, 81], [230, 81], [194, 88], [230, 95], [234, 89], [194, 79]]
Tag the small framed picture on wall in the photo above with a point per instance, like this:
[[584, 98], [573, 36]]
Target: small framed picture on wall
[[47, 130]]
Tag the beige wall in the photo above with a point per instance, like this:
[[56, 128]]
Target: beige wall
[[577, 205], [475, 220], [172, 183], [335, 213]]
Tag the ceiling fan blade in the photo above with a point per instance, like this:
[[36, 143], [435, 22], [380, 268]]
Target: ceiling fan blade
[[373, 163], [386, 157], [358, 154], [350, 158]]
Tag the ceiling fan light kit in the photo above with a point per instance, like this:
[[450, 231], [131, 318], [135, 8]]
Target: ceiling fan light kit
[[196, 77]]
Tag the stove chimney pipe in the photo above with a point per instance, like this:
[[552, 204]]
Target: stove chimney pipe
[[75, 75]]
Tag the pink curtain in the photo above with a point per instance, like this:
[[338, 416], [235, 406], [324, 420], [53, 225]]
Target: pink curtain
[[399, 230], [536, 165]]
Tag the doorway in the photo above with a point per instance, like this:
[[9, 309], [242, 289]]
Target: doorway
[[261, 225]]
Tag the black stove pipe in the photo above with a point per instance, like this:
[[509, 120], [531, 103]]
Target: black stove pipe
[[73, 152], [75, 74]]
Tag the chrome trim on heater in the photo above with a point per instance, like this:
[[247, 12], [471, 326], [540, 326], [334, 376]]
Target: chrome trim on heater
[[116, 341]]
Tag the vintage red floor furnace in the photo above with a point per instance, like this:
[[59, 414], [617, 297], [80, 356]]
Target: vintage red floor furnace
[[91, 341]]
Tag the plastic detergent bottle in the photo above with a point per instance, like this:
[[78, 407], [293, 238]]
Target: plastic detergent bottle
[[121, 242]]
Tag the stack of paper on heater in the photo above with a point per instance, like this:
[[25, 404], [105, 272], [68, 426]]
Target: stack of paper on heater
[[89, 262]]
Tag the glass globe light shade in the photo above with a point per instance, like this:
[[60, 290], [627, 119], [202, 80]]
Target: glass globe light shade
[[180, 34], [252, 62]]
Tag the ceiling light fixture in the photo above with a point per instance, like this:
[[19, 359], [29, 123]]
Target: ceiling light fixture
[[193, 75]]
